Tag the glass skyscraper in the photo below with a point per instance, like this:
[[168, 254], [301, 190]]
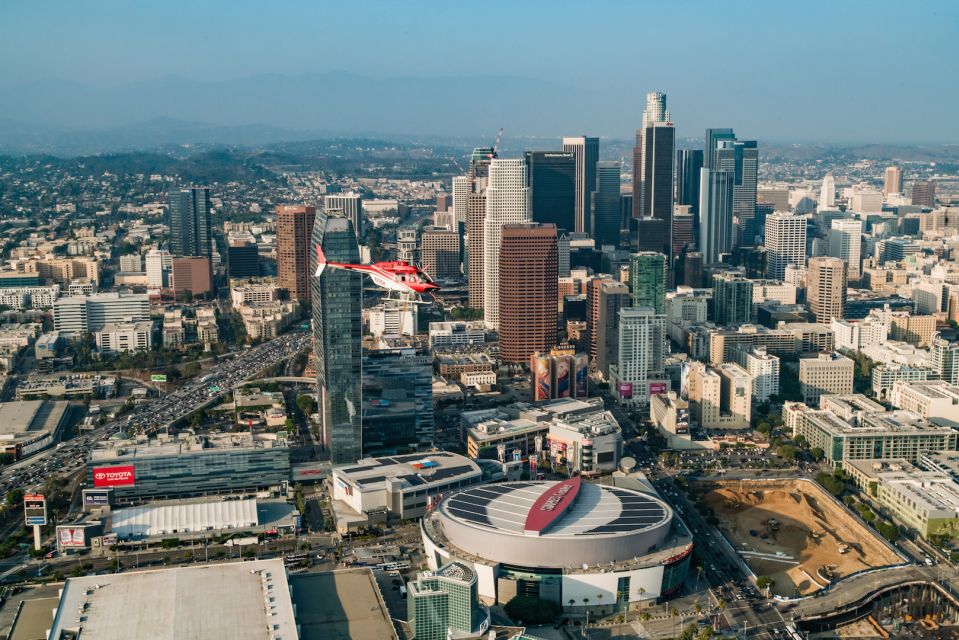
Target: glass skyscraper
[[338, 329], [188, 219], [443, 603], [605, 204], [647, 279], [552, 185]]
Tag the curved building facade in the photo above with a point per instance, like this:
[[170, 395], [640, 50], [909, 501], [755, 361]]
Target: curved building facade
[[567, 541]]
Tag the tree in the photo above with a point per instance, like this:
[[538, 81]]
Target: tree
[[817, 454], [14, 497], [531, 610], [306, 404], [888, 531], [764, 582]]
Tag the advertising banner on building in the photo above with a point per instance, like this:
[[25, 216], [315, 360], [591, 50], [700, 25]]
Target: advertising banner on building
[[562, 377], [113, 476], [625, 390], [158, 377], [581, 364], [96, 497], [542, 383], [71, 538], [657, 388]]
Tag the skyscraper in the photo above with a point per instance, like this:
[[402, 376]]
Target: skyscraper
[[350, 205], [655, 112], [715, 214], [924, 193], [188, 219], [440, 251], [507, 202], [945, 359], [827, 194], [892, 182], [845, 243], [713, 137], [552, 187], [659, 145], [604, 298], [605, 204], [294, 237], [527, 290], [461, 190], [639, 370], [732, 298], [826, 288], [683, 229], [475, 215], [741, 158], [586, 153], [647, 279], [689, 162], [337, 299], [785, 243]]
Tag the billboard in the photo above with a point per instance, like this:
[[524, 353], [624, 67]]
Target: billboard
[[562, 377], [122, 476], [34, 509], [581, 377], [97, 497], [158, 377], [542, 384], [71, 537], [657, 388], [625, 390]]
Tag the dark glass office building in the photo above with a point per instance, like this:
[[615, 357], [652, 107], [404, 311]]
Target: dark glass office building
[[188, 219], [552, 186], [658, 182], [397, 400], [243, 260], [688, 164], [605, 204], [336, 297]]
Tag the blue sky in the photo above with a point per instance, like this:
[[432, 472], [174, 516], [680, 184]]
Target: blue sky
[[873, 71]]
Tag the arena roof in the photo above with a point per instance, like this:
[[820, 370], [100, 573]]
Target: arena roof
[[588, 510], [239, 600]]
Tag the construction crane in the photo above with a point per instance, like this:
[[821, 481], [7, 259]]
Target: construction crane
[[499, 135]]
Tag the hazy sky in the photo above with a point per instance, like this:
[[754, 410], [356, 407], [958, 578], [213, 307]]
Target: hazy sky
[[810, 70]]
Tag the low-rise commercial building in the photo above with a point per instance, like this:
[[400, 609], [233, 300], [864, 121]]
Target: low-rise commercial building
[[458, 334], [67, 386], [929, 399], [117, 337], [885, 376]]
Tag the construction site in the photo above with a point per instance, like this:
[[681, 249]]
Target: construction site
[[794, 532]]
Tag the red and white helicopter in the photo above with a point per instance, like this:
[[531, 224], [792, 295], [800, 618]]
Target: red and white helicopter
[[396, 275]]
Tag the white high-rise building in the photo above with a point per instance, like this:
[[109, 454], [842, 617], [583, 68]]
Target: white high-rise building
[[827, 195], [785, 243], [845, 242], [640, 370], [158, 265], [75, 315], [507, 202], [461, 193], [656, 110]]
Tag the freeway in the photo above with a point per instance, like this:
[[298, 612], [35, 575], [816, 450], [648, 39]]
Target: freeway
[[30, 474]]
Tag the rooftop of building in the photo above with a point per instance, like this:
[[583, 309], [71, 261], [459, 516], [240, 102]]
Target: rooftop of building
[[851, 402], [420, 471], [241, 600], [163, 445], [110, 327], [524, 416], [340, 604], [930, 491], [200, 515], [931, 389]]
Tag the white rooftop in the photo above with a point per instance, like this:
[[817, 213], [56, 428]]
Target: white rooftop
[[239, 600]]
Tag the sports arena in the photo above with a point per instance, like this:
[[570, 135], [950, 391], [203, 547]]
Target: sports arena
[[576, 543]]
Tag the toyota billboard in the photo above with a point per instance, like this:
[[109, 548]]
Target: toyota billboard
[[113, 476]]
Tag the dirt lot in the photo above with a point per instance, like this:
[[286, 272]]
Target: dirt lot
[[794, 533]]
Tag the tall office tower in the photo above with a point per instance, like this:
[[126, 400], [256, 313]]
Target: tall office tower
[[892, 182], [294, 237], [732, 299], [785, 243], [715, 214], [604, 298], [586, 154], [158, 265], [507, 202], [243, 259], [604, 202], [461, 191], [826, 288], [683, 229], [924, 193], [188, 219], [647, 279], [827, 194], [337, 297], [845, 243], [440, 252], [945, 359], [351, 206], [552, 187], [713, 137], [689, 162], [639, 369], [475, 215], [397, 399], [659, 146], [444, 201], [527, 290], [693, 269], [655, 112], [741, 158], [647, 234]]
